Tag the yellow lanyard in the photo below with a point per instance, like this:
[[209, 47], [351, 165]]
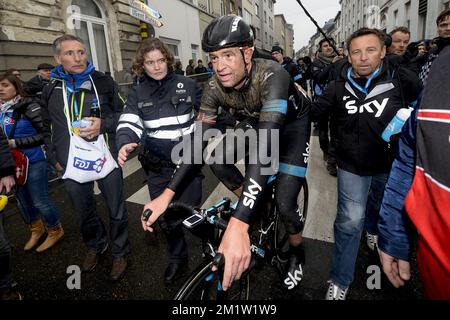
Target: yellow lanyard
[[74, 107]]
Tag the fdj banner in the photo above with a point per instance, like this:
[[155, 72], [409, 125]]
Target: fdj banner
[[88, 165], [88, 161]]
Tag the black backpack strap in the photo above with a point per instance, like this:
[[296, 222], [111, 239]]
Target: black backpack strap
[[17, 114], [51, 86]]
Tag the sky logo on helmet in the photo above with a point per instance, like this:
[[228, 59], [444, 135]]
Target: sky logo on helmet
[[234, 26], [88, 165]]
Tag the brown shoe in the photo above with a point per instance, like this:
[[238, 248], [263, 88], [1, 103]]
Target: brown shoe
[[37, 231], [54, 234], [118, 269], [91, 259]]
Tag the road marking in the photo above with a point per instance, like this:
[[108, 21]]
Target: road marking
[[142, 196]]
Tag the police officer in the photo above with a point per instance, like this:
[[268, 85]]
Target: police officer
[[159, 111]]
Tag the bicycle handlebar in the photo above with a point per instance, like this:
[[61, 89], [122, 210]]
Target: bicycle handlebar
[[181, 206], [173, 205], [210, 214]]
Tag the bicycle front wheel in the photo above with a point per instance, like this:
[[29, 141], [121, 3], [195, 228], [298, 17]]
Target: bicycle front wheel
[[203, 284]]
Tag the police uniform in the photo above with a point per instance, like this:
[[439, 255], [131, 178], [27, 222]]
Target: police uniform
[[156, 114]]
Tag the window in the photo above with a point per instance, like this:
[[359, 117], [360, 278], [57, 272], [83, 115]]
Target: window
[[247, 17], [222, 8], [174, 49], [396, 18], [93, 31], [210, 8], [407, 14], [231, 6], [258, 33], [173, 46], [205, 5], [194, 50], [265, 17], [256, 9], [422, 18]]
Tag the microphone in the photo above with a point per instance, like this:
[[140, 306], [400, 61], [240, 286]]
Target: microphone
[[175, 100]]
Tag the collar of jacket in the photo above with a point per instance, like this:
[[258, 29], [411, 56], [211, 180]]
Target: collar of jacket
[[362, 81], [24, 101], [19, 102], [286, 60], [384, 68], [73, 80], [169, 76], [442, 42]]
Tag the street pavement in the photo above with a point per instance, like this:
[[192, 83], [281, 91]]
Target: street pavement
[[45, 276]]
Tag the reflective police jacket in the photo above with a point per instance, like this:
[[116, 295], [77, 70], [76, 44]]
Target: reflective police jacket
[[162, 111], [361, 114]]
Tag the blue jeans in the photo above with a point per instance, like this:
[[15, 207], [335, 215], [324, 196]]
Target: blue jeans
[[33, 199], [359, 198]]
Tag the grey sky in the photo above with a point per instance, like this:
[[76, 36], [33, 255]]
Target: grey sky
[[320, 10]]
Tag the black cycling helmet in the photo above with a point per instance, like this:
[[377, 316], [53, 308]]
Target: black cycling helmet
[[225, 32]]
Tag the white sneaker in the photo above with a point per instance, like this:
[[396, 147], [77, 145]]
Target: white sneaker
[[335, 293], [372, 241]]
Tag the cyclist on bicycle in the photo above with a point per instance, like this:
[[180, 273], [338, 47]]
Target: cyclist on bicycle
[[261, 94]]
